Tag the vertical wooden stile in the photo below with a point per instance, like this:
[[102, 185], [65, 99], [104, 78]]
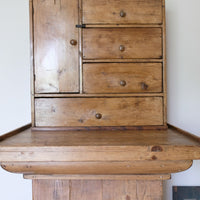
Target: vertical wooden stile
[[32, 73]]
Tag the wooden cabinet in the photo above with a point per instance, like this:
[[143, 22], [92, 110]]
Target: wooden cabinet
[[98, 63]]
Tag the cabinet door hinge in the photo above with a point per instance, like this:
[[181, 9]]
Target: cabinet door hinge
[[80, 26], [34, 77]]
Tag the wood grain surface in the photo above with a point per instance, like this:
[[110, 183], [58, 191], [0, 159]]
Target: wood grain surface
[[97, 168], [109, 12], [111, 111], [97, 189], [104, 43], [122, 78], [99, 146], [56, 59], [51, 190], [148, 177]]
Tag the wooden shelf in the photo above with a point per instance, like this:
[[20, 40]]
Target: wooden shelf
[[99, 152]]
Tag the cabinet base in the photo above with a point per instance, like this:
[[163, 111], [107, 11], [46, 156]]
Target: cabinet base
[[97, 189]]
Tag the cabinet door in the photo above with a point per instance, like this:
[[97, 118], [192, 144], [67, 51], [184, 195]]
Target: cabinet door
[[56, 46]]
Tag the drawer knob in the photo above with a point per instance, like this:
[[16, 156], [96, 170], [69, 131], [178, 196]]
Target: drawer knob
[[123, 83], [73, 42], [122, 48], [98, 115], [122, 13], [144, 86]]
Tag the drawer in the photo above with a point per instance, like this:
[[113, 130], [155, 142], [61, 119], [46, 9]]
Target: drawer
[[111, 43], [122, 77], [123, 11], [127, 111]]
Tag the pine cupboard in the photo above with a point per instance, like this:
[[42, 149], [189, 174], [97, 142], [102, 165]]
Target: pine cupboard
[[98, 64], [98, 86]]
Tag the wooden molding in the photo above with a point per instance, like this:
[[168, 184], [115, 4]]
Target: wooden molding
[[100, 177], [186, 133], [92, 128], [98, 168], [14, 132]]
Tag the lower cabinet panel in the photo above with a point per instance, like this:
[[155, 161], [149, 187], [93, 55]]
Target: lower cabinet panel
[[126, 111], [97, 189]]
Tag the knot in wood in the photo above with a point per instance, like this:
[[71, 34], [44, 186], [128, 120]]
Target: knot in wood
[[156, 149]]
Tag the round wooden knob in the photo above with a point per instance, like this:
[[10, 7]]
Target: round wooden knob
[[144, 86], [98, 115], [122, 13], [73, 42], [122, 48], [123, 83]]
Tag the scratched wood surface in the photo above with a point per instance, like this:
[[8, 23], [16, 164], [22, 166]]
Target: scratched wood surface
[[99, 146], [87, 138], [55, 58], [96, 189]]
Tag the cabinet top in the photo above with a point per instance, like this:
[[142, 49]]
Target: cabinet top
[[101, 145]]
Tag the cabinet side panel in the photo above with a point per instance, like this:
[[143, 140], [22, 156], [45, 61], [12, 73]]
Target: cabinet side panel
[[56, 46], [31, 61], [164, 67]]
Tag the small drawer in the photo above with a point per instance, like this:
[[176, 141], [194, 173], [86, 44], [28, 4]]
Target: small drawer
[[127, 111], [122, 77], [119, 43], [122, 12]]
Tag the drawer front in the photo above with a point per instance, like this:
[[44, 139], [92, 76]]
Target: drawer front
[[119, 43], [122, 77], [123, 11], [129, 111]]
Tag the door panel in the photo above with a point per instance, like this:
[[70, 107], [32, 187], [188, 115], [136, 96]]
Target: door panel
[[56, 46]]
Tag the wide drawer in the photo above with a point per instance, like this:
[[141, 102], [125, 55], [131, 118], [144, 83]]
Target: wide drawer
[[105, 43], [123, 11], [122, 77], [127, 111]]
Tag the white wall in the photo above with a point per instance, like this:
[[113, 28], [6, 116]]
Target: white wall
[[14, 64], [183, 56], [14, 86], [183, 47]]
